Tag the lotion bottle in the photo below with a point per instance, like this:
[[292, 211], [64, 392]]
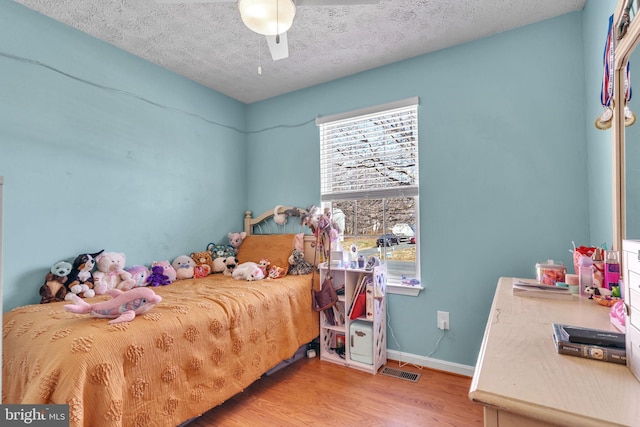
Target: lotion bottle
[[611, 269], [598, 268]]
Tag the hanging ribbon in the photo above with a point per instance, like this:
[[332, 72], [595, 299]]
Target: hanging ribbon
[[606, 91], [629, 116]]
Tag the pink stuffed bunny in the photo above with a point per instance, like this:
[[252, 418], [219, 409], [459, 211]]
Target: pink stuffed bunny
[[169, 271], [235, 239]]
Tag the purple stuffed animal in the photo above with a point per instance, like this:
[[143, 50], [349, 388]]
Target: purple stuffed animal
[[157, 277]]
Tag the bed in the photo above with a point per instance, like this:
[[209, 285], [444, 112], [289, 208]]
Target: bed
[[207, 340]]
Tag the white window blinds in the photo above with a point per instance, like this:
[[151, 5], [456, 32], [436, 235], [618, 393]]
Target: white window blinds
[[370, 155]]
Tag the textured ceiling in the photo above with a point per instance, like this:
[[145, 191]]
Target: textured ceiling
[[208, 43]]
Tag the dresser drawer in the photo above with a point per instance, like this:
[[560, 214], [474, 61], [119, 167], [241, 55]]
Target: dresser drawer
[[634, 316], [633, 350], [632, 258], [633, 298]]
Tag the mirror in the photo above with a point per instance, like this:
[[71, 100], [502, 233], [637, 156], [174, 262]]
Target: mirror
[[626, 141], [632, 169]]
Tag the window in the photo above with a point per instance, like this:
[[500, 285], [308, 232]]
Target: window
[[369, 180]]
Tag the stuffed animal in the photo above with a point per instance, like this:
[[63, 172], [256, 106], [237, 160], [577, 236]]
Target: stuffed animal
[[169, 271], [280, 216], [249, 271], [158, 276], [203, 258], [592, 290], [230, 264], [139, 274], [372, 261], [122, 307], [54, 288], [264, 264], [200, 271], [276, 272], [298, 265], [183, 266], [218, 265], [111, 273], [81, 280], [221, 251], [236, 239]]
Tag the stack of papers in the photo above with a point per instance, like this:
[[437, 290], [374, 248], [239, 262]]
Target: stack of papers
[[540, 290]]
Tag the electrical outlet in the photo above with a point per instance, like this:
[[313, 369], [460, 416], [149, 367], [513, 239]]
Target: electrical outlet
[[443, 320]]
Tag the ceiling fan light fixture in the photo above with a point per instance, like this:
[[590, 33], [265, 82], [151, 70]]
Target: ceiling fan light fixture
[[267, 17]]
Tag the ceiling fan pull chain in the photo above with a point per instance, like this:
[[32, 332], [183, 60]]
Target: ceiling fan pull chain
[[278, 21]]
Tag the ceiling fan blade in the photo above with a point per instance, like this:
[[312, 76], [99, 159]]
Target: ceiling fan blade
[[279, 50], [334, 2], [193, 1], [297, 2]]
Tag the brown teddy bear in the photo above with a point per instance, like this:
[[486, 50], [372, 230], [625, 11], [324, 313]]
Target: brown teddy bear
[[203, 259]]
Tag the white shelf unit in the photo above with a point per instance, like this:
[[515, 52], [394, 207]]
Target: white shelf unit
[[349, 278]]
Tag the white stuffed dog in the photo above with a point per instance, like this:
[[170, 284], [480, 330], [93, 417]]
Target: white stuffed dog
[[230, 264], [249, 271]]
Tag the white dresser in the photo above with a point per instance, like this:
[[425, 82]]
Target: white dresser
[[522, 381], [631, 278]]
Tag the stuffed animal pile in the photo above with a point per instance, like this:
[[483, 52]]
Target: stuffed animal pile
[[103, 272]]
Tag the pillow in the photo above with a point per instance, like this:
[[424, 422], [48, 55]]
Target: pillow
[[298, 242], [275, 247]]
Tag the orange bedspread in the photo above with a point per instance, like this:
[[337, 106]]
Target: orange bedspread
[[206, 341]]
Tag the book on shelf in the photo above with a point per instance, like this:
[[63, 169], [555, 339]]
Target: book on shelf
[[605, 353], [523, 288], [338, 313], [359, 306], [329, 317], [362, 279]]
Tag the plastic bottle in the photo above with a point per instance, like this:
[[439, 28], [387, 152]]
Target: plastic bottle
[[598, 268], [611, 269], [585, 275]]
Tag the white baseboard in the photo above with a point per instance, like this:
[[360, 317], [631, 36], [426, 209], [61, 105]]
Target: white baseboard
[[428, 362]]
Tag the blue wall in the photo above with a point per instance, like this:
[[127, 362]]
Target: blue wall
[[596, 19], [105, 152], [505, 152], [503, 167]]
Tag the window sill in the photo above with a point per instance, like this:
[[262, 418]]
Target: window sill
[[398, 289]]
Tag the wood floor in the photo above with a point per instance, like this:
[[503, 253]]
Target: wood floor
[[315, 393]]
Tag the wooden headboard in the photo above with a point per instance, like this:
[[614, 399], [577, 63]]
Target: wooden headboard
[[265, 224]]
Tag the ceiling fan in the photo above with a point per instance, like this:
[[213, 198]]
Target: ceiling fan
[[273, 18]]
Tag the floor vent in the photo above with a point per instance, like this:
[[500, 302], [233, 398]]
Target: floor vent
[[399, 373]]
